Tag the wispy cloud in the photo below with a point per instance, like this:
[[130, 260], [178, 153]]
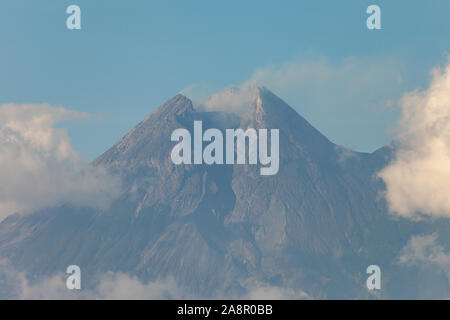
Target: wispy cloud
[[39, 167], [333, 96], [424, 250], [433, 262], [232, 100]]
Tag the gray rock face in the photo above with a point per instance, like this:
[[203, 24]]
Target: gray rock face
[[315, 226]]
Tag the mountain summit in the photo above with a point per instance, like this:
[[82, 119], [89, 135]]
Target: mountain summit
[[220, 229]]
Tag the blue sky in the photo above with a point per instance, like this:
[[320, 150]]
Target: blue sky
[[131, 56]]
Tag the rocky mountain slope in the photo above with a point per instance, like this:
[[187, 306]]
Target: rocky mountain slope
[[221, 229]]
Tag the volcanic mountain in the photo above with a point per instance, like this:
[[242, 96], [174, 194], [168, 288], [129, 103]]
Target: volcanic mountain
[[315, 226]]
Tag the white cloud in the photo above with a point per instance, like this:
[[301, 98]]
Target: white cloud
[[418, 179], [111, 286], [235, 100], [319, 83], [39, 167], [433, 262], [267, 292], [425, 251], [333, 96], [121, 286]]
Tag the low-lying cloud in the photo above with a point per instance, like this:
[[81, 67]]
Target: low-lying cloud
[[110, 286], [121, 286], [418, 179], [268, 292], [425, 250], [39, 167]]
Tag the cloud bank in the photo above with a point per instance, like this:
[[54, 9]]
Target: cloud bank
[[39, 167], [120, 286], [267, 292], [418, 180], [111, 286]]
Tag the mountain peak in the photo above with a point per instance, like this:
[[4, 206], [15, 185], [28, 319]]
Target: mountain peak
[[223, 223], [179, 104], [247, 107]]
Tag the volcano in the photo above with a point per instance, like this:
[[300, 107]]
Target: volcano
[[315, 226]]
